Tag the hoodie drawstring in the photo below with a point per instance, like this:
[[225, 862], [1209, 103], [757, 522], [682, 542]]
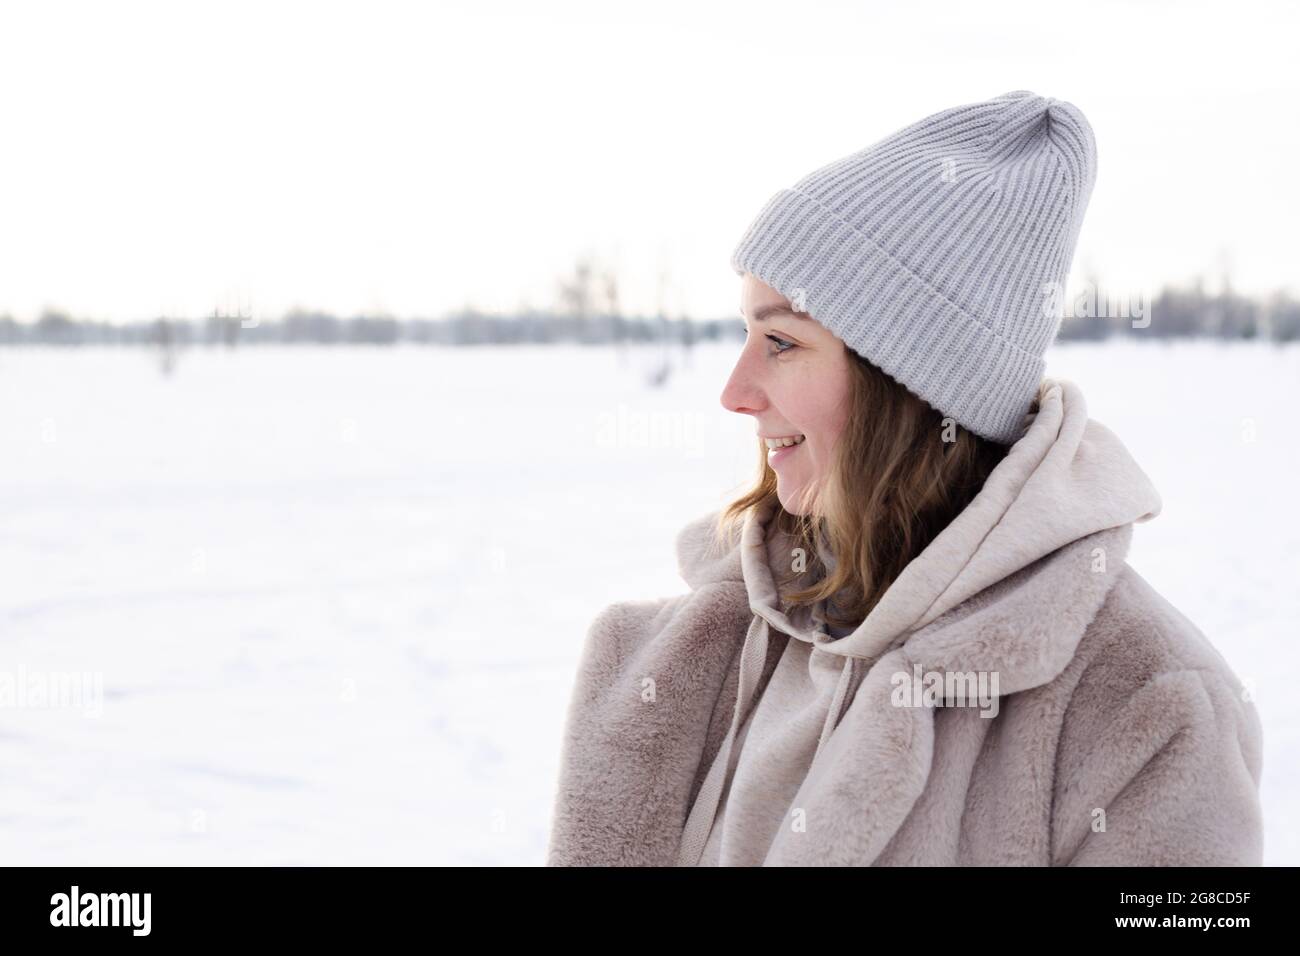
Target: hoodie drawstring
[[753, 657], [837, 704]]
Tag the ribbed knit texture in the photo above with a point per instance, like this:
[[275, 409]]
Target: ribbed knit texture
[[939, 252]]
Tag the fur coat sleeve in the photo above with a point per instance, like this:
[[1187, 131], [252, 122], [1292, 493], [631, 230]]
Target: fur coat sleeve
[[637, 707], [1160, 754]]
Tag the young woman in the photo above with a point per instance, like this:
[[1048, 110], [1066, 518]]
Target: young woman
[[916, 639]]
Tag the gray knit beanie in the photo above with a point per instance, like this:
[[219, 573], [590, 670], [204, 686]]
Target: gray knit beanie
[[940, 253]]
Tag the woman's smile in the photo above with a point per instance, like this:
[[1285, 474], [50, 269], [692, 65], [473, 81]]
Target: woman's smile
[[779, 449]]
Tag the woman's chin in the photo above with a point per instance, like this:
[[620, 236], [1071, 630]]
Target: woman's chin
[[792, 499]]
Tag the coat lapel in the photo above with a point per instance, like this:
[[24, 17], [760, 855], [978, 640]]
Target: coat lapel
[[875, 767]]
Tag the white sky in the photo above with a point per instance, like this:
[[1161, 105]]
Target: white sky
[[415, 158]]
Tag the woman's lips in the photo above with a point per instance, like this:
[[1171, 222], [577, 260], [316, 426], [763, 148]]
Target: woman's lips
[[777, 455]]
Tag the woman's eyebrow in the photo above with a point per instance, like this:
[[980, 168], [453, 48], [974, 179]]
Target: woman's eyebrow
[[769, 310]]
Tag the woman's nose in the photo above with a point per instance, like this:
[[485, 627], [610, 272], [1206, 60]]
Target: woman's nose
[[743, 393]]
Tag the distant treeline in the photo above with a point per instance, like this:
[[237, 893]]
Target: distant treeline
[[320, 328], [1174, 313]]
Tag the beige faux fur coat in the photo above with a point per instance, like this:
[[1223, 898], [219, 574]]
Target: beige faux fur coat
[[1019, 696]]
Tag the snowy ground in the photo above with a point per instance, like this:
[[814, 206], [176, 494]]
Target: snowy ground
[[335, 597]]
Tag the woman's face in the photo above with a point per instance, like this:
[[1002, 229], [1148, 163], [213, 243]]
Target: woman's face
[[793, 377]]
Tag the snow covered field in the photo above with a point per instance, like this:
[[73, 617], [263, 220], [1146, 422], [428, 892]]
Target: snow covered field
[[330, 600]]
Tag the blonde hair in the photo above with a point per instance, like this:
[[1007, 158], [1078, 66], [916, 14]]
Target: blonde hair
[[901, 472]]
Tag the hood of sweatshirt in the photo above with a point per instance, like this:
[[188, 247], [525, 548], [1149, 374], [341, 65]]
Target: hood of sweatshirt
[[998, 590]]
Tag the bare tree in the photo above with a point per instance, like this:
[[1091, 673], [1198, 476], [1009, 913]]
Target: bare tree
[[618, 329], [165, 339], [577, 296]]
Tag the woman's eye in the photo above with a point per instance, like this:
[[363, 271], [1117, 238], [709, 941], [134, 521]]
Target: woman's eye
[[782, 345]]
